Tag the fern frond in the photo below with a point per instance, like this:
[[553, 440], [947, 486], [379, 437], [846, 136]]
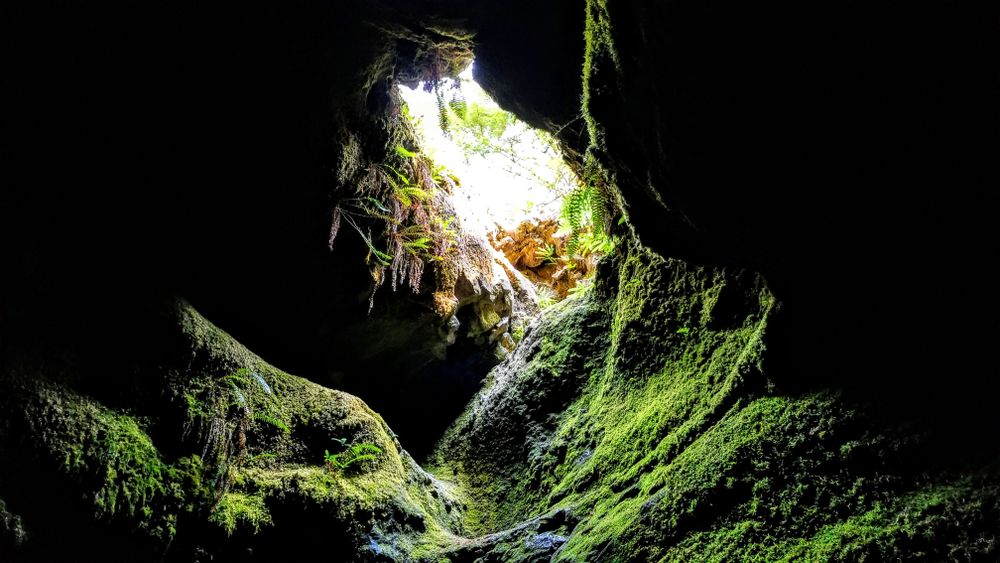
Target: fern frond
[[598, 206], [421, 242], [335, 460], [380, 257], [415, 193], [238, 378], [272, 421], [378, 204], [263, 384], [457, 103], [358, 448], [239, 394], [402, 178], [442, 111], [401, 151]]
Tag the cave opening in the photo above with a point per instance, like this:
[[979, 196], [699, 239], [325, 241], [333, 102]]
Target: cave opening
[[525, 231], [687, 410]]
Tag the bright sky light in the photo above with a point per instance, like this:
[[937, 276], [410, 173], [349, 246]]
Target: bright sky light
[[489, 194]]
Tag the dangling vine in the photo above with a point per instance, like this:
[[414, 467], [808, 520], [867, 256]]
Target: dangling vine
[[456, 104], [406, 201]]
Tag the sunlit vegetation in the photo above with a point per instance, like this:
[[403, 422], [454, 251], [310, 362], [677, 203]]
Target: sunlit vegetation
[[515, 160]]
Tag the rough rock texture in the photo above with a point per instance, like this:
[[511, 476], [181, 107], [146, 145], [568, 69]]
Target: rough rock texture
[[523, 247], [847, 152], [435, 345], [128, 434], [642, 411], [138, 162], [680, 412]]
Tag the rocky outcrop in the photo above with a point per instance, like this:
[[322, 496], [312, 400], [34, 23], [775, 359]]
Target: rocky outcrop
[[642, 410], [436, 344], [676, 411], [500, 301], [127, 454], [754, 136], [535, 249]]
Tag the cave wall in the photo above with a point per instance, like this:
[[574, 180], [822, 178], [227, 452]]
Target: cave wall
[[108, 457], [173, 148], [641, 417], [830, 164], [846, 152]]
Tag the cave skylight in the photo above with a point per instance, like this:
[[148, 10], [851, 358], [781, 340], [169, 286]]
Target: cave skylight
[[509, 171]]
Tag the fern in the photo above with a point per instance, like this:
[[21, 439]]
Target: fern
[[399, 193], [572, 217], [237, 379], [380, 257], [272, 421], [241, 374], [443, 120], [226, 434], [401, 151], [355, 453], [582, 288], [585, 208], [547, 254], [240, 399], [598, 206], [422, 243], [547, 296], [457, 103]]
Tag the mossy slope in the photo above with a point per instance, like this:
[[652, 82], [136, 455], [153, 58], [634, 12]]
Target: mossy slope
[[138, 469], [643, 410]]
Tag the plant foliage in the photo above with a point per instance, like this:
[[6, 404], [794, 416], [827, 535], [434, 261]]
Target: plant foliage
[[403, 200], [484, 132], [238, 404], [584, 216], [547, 254], [547, 296], [354, 454]]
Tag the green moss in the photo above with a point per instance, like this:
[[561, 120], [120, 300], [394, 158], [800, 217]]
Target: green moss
[[120, 468], [241, 508], [109, 456], [601, 67], [644, 410]]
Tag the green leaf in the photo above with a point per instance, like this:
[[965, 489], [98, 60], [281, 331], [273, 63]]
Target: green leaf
[[272, 421], [404, 179], [419, 243], [404, 153], [378, 204]]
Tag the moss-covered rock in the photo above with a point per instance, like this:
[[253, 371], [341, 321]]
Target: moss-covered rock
[[145, 468], [674, 414], [642, 409]]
